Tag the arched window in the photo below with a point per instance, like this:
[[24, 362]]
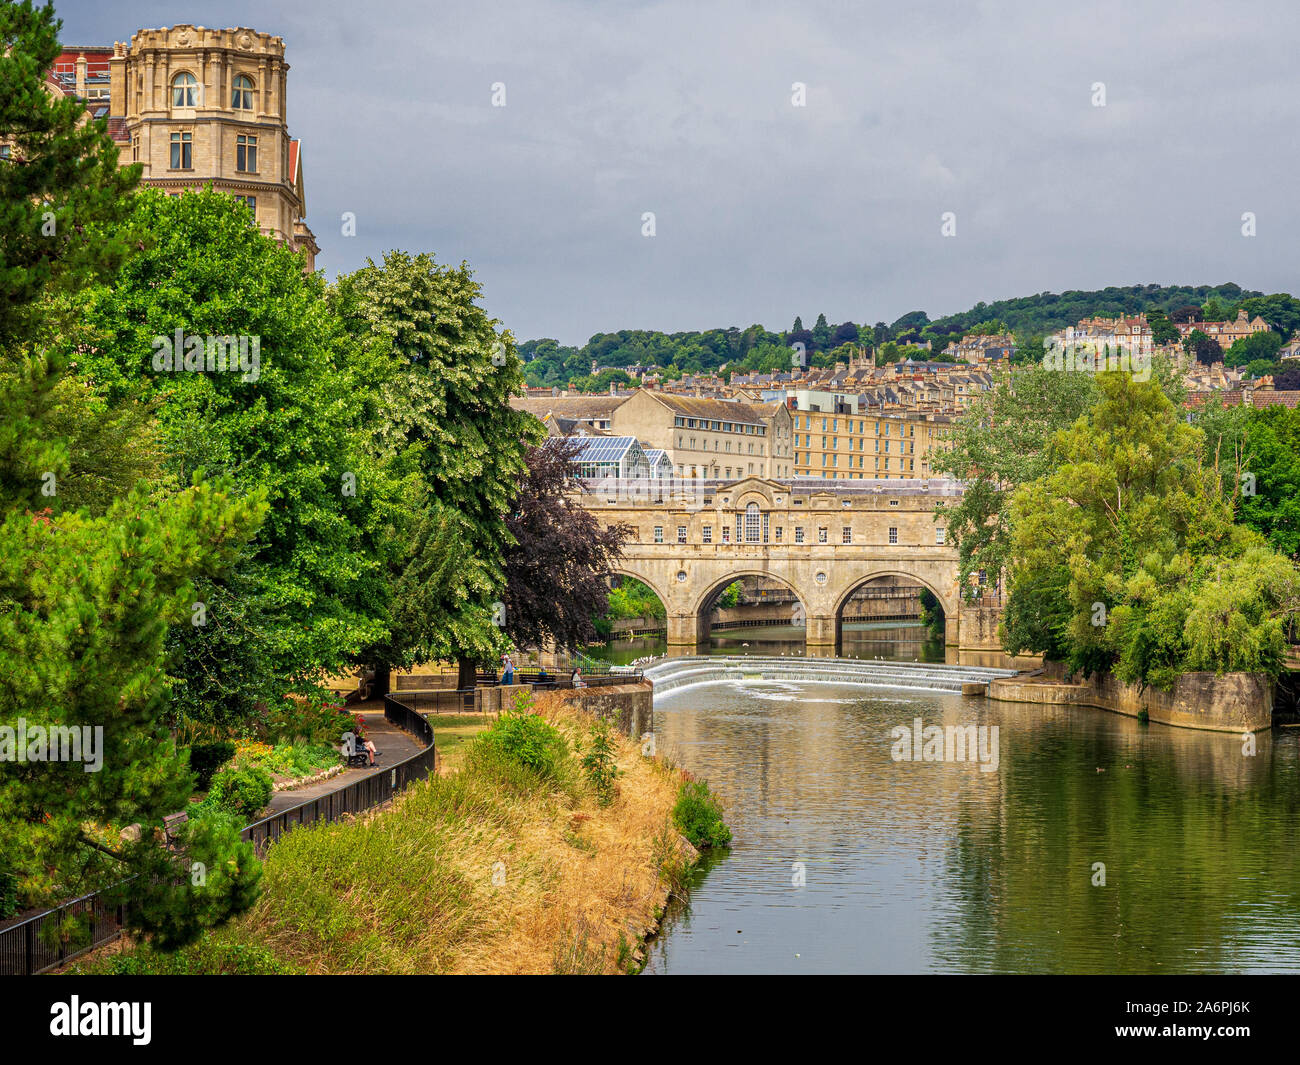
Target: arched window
[[751, 523], [241, 93], [185, 90]]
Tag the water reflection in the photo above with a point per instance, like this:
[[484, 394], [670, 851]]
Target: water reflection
[[924, 867]]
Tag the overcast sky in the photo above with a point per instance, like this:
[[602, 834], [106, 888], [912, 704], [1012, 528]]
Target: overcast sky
[[764, 210]]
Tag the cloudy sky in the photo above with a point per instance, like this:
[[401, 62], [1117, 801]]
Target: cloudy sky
[[763, 209]]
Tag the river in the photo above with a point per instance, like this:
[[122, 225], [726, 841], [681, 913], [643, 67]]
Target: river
[[912, 866]]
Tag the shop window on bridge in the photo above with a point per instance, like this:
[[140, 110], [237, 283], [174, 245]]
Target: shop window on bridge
[[752, 524], [726, 534], [706, 534]]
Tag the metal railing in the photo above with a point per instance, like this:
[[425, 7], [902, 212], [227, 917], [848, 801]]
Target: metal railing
[[25, 951]]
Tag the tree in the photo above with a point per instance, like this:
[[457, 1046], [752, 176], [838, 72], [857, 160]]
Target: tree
[[441, 378], [1163, 331], [61, 180], [557, 567], [1261, 346], [1132, 529], [1204, 348], [1271, 463], [1003, 440], [308, 595], [845, 333], [92, 570], [821, 333]]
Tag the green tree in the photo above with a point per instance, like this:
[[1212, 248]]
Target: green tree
[[1132, 529], [304, 597], [1004, 439], [1268, 476], [441, 378], [62, 196]]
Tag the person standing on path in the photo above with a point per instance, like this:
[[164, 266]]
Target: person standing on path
[[507, 670]]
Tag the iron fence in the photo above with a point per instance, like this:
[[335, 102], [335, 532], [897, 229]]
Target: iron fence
[[26, 949]]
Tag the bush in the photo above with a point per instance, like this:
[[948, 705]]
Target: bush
[[207, 758], [599, 764], [241, 791], [698, 815], [526, 738]]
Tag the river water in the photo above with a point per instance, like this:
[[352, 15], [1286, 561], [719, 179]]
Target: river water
[[915, 866]]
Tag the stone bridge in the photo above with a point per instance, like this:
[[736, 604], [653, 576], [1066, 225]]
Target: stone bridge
[[822, 539]]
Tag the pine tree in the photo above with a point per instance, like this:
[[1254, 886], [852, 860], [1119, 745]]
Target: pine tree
[[87, 593]]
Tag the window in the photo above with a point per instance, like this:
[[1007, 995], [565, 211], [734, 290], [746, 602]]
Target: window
[[779, 531], [846, 535], [726, 534], [185, 90], [241, 94], [659, 534], [798, 534], [681, 534], [751, 523], [939, 535], [893, 534], [823, 534], [707, 534], [182, 151], [245, 152], [251, 201]]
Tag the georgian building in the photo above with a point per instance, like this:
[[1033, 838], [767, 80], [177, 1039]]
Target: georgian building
[[197, 106], [1226, 333]]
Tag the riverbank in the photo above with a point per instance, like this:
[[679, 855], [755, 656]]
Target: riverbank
[[491, 868], [1228, 702]]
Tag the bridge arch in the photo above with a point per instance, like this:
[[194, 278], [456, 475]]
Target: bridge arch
[[635, 574], [948, 601]]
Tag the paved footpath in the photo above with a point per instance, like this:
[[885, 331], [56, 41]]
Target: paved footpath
[[391, 746]]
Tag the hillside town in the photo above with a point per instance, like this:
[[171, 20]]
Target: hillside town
[[856, 419]]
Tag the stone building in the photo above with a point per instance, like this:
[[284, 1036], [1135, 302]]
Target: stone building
[[197, 106]]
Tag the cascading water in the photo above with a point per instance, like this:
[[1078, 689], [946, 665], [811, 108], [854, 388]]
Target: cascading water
[[673, 673]]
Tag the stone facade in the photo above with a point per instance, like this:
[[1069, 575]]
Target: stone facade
[[823, 543], [196, 106]]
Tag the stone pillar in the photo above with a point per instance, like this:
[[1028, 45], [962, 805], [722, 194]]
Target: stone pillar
[[683, 632], [951, 630], [819, 636]]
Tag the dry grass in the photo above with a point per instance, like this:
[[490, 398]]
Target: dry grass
[[412, 889]]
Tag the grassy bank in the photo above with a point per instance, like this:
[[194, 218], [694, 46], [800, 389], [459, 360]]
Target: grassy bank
[[523, 860]]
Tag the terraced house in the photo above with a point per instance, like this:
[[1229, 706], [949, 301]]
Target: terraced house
[[197, 106]]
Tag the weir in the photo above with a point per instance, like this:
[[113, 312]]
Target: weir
[[674, 673]]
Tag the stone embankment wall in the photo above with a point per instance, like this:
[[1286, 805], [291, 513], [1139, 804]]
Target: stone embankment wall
[[1228, 702], [626, 706]]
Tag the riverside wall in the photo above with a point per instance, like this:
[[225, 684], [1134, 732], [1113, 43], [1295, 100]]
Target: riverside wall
[[626, 706], [1227, 702]]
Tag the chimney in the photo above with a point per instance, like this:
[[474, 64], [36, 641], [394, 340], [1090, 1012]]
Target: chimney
[[81, 77]]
